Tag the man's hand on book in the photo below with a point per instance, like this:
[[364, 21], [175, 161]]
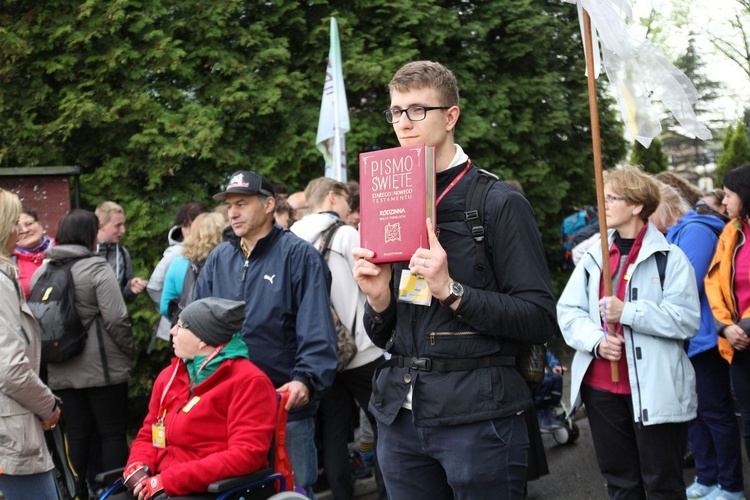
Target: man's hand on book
[[432, 263], [373, 279]]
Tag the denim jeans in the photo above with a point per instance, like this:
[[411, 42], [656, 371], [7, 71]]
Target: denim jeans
[[303, 455], [714, 435], [19, 487], [483, 460]]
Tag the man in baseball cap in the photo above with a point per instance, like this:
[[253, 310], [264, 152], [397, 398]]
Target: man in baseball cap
[[244, 182], [288, 326]]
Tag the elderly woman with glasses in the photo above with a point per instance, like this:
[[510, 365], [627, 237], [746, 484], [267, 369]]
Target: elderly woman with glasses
[[31, 248], [212, 411], [638, 413]]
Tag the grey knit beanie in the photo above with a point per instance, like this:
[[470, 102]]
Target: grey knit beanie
[[214, 320]]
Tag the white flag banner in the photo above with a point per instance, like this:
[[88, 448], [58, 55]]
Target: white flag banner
[[334, 113], [638, 72]]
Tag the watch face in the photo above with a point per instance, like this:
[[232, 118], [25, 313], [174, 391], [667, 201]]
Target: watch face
[[457, 289]]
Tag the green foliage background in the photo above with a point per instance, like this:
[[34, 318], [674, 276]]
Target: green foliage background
[[736, 150], [159, 102], [653, 159]]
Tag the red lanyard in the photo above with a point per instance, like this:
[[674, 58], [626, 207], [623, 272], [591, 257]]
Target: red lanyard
[[454, 182], [177, 367]]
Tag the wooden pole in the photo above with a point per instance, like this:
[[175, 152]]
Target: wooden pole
[[598, 174]]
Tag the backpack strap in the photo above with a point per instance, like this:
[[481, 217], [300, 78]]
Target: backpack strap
[[474, 211], [327, 238]]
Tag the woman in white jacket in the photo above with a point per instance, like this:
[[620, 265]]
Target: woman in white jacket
[[639, 423], [27, 406]]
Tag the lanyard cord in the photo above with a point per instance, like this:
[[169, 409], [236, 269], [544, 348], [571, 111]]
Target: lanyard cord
[[210, 357], [454, 182]]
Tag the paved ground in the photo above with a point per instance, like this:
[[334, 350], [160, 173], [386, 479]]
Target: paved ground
[[573, 470]]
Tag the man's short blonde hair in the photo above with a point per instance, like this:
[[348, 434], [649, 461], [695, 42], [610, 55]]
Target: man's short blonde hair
[[317, 190], [637, 187], [105, 210], [427, 74]]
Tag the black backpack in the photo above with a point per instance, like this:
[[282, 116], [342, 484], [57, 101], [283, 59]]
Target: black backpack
[[52, 300], [530, 359]]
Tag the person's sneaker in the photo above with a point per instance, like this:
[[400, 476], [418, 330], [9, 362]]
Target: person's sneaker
[[720, 494], [358, 467], [698, 490], [544, 425], [553, 420]]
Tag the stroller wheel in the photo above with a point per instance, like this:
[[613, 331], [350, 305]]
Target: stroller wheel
[[567, 434], [561, 435], [575, 432]]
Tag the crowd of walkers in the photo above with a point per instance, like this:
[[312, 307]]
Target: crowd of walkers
[[246, 293]]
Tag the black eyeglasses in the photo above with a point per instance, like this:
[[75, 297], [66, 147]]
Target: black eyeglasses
[[413, 113]]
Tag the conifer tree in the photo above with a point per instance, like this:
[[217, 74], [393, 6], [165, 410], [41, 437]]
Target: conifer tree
[[736, 150], [652, 159], [159, 101]]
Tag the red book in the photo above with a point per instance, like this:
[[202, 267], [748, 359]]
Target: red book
[[396, 195]]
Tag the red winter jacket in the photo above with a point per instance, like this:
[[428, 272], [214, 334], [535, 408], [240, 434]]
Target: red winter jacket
[[27, 264], [226, 433]]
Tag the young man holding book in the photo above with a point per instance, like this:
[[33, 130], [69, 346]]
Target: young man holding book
[[324, 228], [449, 402]]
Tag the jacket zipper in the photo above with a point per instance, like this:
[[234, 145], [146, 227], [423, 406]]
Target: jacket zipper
[[434, 335], [731, 281], [245, 268]]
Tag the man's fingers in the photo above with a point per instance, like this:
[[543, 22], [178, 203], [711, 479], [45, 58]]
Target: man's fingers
[[431, 236]]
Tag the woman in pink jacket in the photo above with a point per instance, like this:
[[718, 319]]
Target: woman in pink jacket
[[31, 247]]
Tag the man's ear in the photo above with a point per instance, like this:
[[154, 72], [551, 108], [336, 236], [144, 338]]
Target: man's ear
[[270, 205], [451, 117]]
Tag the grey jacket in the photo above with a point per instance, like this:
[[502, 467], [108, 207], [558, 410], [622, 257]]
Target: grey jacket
[[96, 292], [24, 399], [156, 281], [655, 323]]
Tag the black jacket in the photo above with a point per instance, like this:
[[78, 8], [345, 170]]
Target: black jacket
[[118, 257], [498, 311]]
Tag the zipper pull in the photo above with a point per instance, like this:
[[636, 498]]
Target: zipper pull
[[244, 269], [432, 338]]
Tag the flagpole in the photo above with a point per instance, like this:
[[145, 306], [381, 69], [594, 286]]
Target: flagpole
[[598, 173]]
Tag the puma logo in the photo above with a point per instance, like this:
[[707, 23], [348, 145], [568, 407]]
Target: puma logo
[[269, 278]]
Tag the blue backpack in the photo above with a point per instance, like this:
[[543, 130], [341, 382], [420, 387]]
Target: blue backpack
[[571, 225]]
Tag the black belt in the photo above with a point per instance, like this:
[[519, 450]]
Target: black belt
[[449, 365], [438, 365]]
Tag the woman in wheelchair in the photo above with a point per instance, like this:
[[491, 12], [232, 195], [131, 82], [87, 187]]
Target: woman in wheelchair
[[212, 411]]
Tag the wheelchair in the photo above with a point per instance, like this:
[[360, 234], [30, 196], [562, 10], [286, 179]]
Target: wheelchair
[[273, 482]]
